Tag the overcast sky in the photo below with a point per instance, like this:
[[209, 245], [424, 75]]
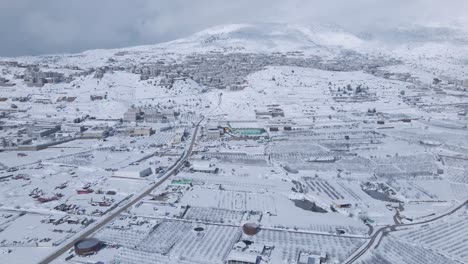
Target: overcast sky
[[30, 27]]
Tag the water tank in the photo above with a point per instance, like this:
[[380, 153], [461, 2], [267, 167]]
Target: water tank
[[250, 229], [87, 246]]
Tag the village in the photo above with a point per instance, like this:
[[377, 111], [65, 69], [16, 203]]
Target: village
[[231, 157]]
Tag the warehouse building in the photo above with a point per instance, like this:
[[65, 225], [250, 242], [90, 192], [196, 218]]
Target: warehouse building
[[204, 166]]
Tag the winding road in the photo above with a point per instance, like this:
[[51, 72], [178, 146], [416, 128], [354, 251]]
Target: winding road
[[379, 234]]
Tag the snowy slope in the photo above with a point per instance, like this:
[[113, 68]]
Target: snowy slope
[[272, 37]]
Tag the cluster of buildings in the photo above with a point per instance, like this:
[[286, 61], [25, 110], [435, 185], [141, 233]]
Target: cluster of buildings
[[149, 115], [43, 135], [34, 76], [217, 70], [5, 82]]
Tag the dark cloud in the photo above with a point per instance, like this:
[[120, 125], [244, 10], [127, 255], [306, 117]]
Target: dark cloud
[[56, 26]]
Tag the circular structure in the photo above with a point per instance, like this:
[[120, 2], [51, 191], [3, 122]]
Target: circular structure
[[87, 246], [250, 229]]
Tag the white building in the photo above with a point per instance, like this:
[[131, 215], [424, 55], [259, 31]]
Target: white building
[[212, 132], [72, 128], [131, 115], [307, 258], [96, 132], [133, 172], [204, 166], [465, 83], [141, 131], [241, 257], [178, 135]]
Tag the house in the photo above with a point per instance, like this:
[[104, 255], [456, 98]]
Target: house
[[243, 253], [308, 258], [142, 131], [43, 130], [178, 135], [271, 112], [72, 128], [212, 131], [204, 166], [465, 83], [240, 257], [153, 116], [131, 115], [96, 132]]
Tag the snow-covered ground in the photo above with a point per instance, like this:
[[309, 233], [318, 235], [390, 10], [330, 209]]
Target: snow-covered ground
[[317, 135]]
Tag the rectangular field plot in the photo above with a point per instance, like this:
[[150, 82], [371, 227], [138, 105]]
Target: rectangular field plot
[[214, 215], [288, 245], [126, 238], [460, 191], [412, 191], [445, 237], [132, 256], [299, 161], [231, 200], [423, 165], [164, 236], [335, 191], [190, 241], [392, 251], [457, 174]]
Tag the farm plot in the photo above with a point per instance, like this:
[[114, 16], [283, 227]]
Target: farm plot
[[406, 166], [334, 191], [190, 241], [446, 237], [164, 236], [457, 174], [250, 180], [460, 191], [323, 187], [131, 256], [393, 251], [214, 215], [208, 246], [123, 237], [411, 191], [456, 162], [350, 164], [305, 146], [290, 244], [231, 200]]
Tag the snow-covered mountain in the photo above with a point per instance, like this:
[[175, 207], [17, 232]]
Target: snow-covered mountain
[[319, 39], [272, 37], [432, 47]]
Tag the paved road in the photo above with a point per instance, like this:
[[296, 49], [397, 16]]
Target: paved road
[[379, 234], [107, 219]]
